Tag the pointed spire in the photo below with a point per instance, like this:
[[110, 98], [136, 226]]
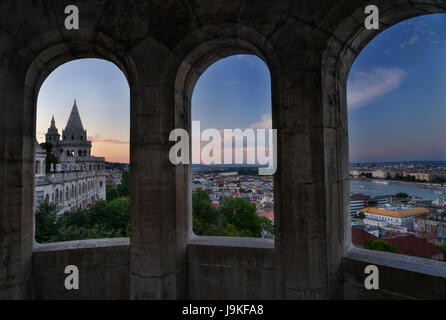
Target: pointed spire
[[74, 122], [53, 123]]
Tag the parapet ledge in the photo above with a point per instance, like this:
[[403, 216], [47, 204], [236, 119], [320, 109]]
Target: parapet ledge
[[81, 244], [397, 261], [231, 242]]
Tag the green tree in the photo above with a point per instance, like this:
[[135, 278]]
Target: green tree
[[443, 249], [267, 227], [50, 157], [123, 187], [46, 227], [242, 215], [380, 245], [401, 195], [438, 179], [109, 219], [111, 193], [205, 217], [233, 218]]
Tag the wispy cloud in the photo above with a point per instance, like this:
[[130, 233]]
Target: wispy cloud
[[266, 123], [365, 86], [233, 83], [419, 31], [410, 41], [98, 138]]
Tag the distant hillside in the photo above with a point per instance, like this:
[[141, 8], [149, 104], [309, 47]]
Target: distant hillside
[[116, 166]]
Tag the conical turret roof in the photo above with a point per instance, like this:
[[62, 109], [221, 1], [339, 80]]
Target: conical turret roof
[[53, 123], [74, 121]]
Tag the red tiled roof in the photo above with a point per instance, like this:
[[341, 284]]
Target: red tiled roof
[[359, 236], [413, 246], [267, 214], [359, 196]]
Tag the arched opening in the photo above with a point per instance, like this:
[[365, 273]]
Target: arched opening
[[396, 140], [86, 102], [229, 196]]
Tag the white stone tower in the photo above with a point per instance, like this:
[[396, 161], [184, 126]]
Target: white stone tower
[[74, 138]]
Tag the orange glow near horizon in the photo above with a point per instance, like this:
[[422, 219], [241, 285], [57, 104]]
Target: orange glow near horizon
[[112, 152]]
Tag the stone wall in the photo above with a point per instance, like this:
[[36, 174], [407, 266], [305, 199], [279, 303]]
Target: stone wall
[[163, 47], [104, 269]]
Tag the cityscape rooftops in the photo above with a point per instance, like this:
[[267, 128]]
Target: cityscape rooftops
[[413, 246], [359, 236], [395, 212]]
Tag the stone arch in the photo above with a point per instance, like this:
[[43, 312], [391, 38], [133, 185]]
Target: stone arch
[[344, 45], [171, 92], [53, 53], [225, 40]]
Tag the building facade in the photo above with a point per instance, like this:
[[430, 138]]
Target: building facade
[[78, 180], [392, 216]]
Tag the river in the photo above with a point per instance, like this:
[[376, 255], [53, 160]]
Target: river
[[374, 188]]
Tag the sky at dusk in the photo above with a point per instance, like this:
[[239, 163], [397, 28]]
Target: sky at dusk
[[396, 97], [234, 92], [103, 99], [396, 94]]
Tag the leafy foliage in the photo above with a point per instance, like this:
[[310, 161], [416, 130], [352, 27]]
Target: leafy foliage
[[103, 220], [401, 195], [46, 227], [111, 193], [438, 179], [124, 188], [443, 249], [380, 245], [50, 157], [360, 215], [234, 217]]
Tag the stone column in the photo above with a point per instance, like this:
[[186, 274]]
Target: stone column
[[160, 225], [16, 191], [308, 189]]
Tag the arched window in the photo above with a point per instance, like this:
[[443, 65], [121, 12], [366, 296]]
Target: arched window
[[396, 119], [231, 102], [101, 106]]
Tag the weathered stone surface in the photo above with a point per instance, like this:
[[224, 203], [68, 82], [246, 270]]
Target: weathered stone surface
[[163, 47]]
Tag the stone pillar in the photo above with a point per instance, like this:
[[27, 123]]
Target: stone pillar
[[159, 198], [309, 236], [16, 192]]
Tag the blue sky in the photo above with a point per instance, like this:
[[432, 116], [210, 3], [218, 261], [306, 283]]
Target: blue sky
[[396, 94], [234, 92], [103, 99], [396, 97]]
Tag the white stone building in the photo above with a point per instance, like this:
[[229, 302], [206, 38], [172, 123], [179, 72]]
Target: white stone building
[[392, 216], [78, 179]]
